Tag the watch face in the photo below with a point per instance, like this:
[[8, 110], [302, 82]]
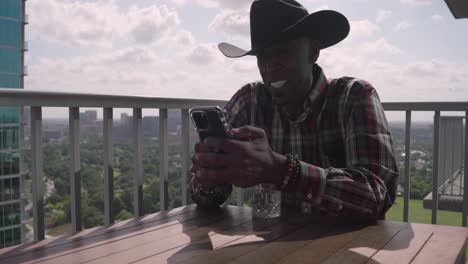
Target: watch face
[[210, 197]]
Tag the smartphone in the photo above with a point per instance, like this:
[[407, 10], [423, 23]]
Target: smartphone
[[210, 122]]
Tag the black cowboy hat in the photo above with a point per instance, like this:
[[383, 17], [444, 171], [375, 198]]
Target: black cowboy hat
[[272, 21]]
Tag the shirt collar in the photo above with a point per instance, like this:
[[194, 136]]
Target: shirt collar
[[314, 96]]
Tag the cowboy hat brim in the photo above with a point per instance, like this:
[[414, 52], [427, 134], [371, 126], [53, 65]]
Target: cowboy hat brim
[[328, 27]]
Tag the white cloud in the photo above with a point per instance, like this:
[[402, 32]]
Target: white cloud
[[383, 15], [403, 25], [231, 22], [416, 2], [381, 46], [238, 4], [179, 2], [131, 55], [322, 7], [128, 59], [363, 28], [184, 39], [437, 17], [76, 23], [437, 79], [203, 54], [424, 69], [244, 66], [152, 23], [98, 23], [221, 4], [416, 79]]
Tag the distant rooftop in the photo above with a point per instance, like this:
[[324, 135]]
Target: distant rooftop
[[459, 8]]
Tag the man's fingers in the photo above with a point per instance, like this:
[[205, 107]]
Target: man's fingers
[[210, 160], [222, 145], [200, 147], [210, 177], [248, 133]]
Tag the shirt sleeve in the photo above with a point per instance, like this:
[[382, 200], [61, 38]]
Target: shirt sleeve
[[238, 109], [367, 186], [237, 112]]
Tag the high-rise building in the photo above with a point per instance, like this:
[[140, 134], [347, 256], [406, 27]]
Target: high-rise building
[[12, 72], [88, 117]]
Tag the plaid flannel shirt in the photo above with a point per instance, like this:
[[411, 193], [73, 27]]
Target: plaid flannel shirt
[[342, 139]]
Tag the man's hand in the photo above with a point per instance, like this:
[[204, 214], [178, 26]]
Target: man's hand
[[245, 161]]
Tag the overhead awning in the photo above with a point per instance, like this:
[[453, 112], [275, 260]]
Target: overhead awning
[[459, 8]]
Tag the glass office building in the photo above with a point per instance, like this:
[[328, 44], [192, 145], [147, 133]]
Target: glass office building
[[12, 72]]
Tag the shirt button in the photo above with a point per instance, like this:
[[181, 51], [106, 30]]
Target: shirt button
[[309, 196]]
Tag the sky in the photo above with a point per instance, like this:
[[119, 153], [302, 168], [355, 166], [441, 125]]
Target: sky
[[409, 50]]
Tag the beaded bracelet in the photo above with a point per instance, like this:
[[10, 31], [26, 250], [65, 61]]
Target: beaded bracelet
[[294, 170]]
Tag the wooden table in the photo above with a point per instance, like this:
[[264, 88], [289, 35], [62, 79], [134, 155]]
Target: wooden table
[[229, 235]]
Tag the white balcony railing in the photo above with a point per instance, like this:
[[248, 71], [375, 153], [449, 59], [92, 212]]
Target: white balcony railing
[[73, 101], [37, 100]]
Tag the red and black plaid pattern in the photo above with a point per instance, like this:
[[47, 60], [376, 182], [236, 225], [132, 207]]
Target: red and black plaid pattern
[[342, 139]]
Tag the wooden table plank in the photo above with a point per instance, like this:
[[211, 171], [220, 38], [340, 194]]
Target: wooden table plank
[[80, 245], [126, 225], [317, 250], [77, 246], [156, 244], [405, 245], [215, 239], [446, 245], [249, 243], [284, 246], [124, 250], [366, 244]]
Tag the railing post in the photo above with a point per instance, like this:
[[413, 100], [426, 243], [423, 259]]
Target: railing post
[[407, 166], [75, 168], [37, 173], [185, 154], [137, 162], [452, 175], [465, 174], [240, 196], [108, 167], [435, 169], [163, 156]]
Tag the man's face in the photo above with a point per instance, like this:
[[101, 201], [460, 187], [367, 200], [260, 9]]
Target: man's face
[[286, 70]]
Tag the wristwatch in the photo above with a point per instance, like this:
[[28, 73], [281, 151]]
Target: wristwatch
[[208, 197]]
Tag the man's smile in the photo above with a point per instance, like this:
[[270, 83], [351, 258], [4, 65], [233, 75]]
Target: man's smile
[[278, 84]]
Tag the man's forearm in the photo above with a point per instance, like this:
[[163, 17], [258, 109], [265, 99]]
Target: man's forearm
[[351, 191]]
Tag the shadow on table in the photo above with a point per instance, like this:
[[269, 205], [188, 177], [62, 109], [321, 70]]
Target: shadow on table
[[215, 245], [89, 237]]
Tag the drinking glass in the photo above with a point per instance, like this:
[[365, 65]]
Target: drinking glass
[[266, 201]]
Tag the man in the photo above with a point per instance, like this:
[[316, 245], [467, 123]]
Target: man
[[325, 144]]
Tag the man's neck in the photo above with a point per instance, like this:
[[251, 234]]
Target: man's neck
[[295, 109]]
